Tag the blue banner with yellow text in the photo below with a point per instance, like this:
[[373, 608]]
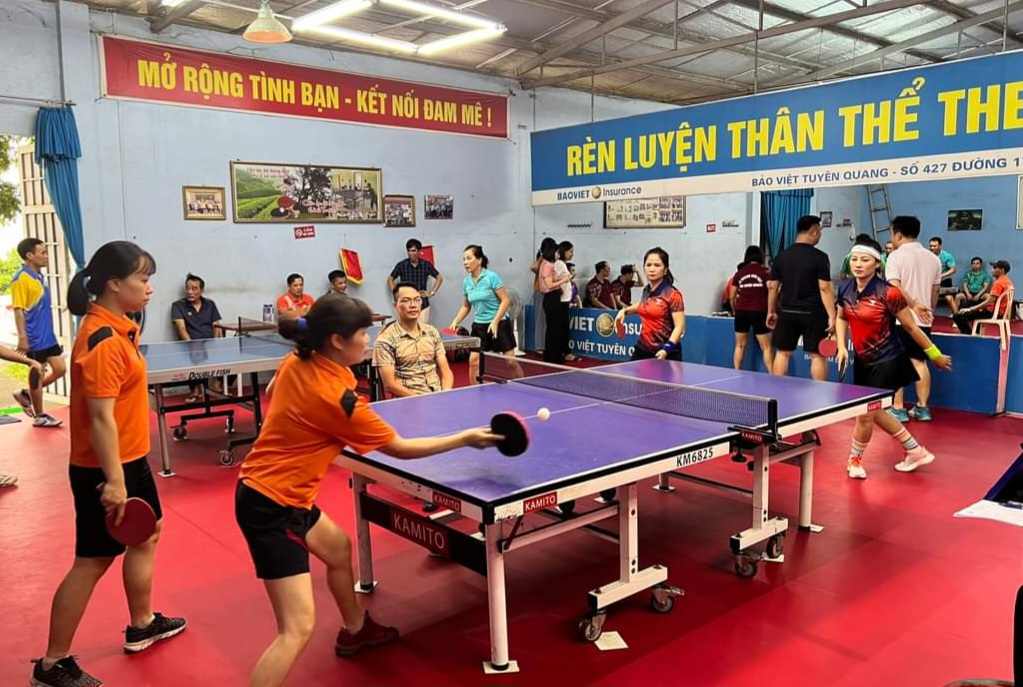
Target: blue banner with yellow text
[[944, 121]]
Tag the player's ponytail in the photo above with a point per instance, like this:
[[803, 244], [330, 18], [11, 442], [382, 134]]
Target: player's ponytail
[[114, 260], [330, 314]]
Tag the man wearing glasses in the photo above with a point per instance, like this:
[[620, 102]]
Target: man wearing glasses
[[408, 354]]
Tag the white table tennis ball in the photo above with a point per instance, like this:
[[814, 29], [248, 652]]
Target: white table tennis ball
[[543, 415]]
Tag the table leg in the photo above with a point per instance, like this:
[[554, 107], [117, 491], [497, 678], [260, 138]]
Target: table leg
[[161, 424], [806, 492], [499, 662], [366, 583], [257, 405]]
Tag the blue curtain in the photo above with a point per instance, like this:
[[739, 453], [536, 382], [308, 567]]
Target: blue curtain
[[58, 150], [779, 212]]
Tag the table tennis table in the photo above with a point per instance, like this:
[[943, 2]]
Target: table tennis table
[[179, 363], [610, 427]]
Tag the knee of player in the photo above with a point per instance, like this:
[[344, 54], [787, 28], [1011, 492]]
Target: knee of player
[[93, 566], [299, 629]]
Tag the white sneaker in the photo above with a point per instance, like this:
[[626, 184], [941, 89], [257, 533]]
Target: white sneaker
[[855, 469], [915, 458], [46, 420]]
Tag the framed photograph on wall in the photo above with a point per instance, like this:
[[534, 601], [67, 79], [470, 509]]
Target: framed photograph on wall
[[399, 211], [266, 192], [965, 220], [826, 218], [664, 212], [203, 202], [439, 207]]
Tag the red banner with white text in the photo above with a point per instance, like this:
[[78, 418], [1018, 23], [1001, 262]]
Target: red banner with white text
[[183, 76]]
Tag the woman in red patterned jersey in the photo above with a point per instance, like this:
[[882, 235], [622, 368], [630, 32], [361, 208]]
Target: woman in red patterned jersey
[[867, 308]]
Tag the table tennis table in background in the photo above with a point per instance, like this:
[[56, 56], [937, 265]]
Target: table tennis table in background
[[610, 427], [180, 363]]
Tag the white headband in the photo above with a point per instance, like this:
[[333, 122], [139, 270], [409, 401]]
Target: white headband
[[866, 250]]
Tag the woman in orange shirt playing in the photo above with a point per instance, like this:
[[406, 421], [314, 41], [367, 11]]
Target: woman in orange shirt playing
[[314, 412]]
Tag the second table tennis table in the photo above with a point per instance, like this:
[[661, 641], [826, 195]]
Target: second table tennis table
[[178, 363], [610, 427]]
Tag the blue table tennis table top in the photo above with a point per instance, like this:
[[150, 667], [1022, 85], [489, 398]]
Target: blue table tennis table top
[[584, 437], [174, 361]]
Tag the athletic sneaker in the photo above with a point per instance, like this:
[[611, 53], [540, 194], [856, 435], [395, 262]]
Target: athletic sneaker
[[162, 627], [915, 458], [855, 469], [23, 399], [371, 634], [899, 414], [921, 413], [46, 420], [63, 673]]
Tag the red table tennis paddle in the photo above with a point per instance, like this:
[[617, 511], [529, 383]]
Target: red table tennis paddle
[[513, 428], [137, 525], [620, 329], [449, 331], [827, 348]]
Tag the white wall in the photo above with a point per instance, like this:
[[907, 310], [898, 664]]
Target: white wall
[[136, 157]]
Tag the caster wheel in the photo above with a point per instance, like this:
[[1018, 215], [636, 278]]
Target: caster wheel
[[663, 597], [592, 626], [226, 458], [662, 603], [745, 567], [567, 508], [775, 546], [179, 433]]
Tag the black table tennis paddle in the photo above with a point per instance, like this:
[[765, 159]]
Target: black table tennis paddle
[[513, 428]]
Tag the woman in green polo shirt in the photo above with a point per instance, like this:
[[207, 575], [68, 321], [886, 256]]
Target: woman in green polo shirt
[[485, 295]]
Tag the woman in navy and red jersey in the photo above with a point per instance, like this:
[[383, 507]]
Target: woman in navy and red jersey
[[314, 413], [867, 308], [749, 303], [661, 310]]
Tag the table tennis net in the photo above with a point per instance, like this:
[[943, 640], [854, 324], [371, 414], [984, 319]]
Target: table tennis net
[[734, 409]]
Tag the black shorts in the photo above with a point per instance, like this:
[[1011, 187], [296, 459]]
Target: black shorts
[[892, 374], [502, 343], [947, 283], [46, 353], [643, 354], [275, 533], [812, 327], [911, 347], [91, 537], [745, 319]]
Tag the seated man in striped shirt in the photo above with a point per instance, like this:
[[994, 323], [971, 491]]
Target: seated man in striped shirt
[[408, 354]]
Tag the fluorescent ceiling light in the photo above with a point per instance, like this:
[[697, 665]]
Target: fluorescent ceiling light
[[391, 44], [172, 3], [458, 40], [329, 14], [434, 11]]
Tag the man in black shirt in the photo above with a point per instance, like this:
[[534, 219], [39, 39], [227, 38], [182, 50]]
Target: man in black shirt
[[415, 270], [194, 316], [806, 305]]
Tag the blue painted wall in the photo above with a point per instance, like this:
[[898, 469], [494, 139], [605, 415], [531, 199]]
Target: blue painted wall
[[996, 196]]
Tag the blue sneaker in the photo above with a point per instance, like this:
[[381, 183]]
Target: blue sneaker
[[921, 413], [899, 414]]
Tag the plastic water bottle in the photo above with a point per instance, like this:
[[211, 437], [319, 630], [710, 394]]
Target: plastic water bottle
[[268, 312]]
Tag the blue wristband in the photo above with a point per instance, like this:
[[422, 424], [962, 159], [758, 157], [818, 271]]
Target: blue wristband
[[669, 347]]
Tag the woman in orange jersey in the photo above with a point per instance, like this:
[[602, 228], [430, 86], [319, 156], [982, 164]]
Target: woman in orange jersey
[[314, 413], [109, 443]]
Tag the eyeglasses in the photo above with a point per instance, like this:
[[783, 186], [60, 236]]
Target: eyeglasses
[[411, 301]]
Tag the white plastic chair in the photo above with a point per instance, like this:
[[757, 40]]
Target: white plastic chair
[[1003, 320]]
